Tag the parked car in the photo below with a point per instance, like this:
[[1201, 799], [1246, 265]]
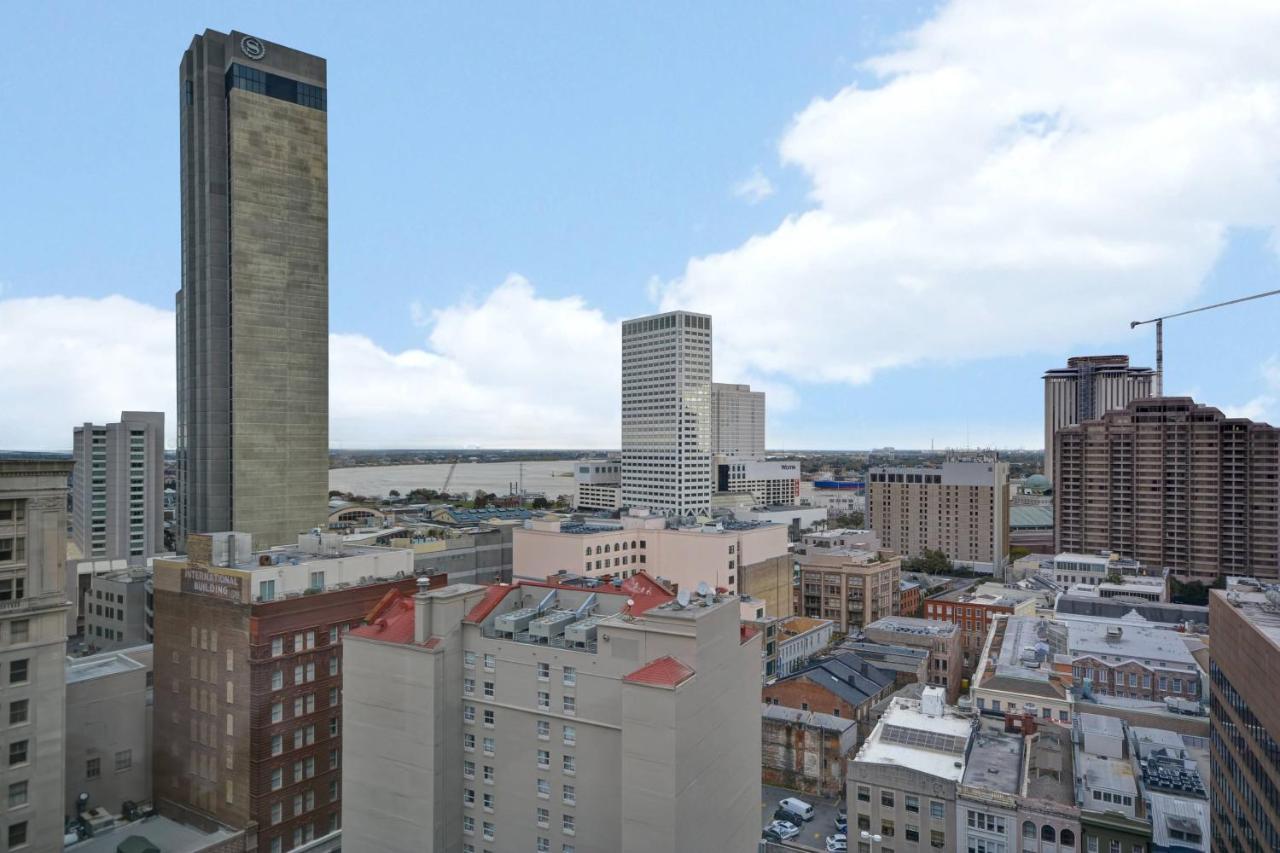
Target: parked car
[[799, 808], [838, 843], [788, 816], [842, 824], [782, 829]]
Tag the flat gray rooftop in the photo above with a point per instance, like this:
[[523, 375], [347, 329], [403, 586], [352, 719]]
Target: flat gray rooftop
[[170, 836], [995, 762]]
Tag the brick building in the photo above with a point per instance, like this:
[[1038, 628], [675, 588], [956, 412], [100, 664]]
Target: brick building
[[941, 640], [248, 679], [972, 609], [805, 750], [842, 686], [849, 586]]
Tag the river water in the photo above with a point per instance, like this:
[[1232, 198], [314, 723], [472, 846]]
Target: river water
[[552, 478]]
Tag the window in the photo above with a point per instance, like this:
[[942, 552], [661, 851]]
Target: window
[[570, 735], [333, 696], [277, 744], [1115, 847], [570, 676], [937, 809], [544, 700], [544, 759], [544, 844], [267, 590], [17, 794], [277, 779], [469, 769], [468, 796], [488, 774], [570, 705], [1092, 844], [19, 670], [124, 759], [544, 730], [864, 793], [333, 634], [468, 687], [913, 804], [543, 817], [490, 662], [469, 660], [570, 795], [544, 671], [488, 689], [886, 799], [469, 713], [18, 631], [568, 824], [567, 848], [886, 828], [912, 832], [333, 664], [488, 831], [469, 742], [277, 813], [570, 764], [277, 680], [544, 788], [17, 834], [488, 746], [937, 839], [277, 712], [93, 768], [488, 718], [18, 711], [468, 824], [12, 589]]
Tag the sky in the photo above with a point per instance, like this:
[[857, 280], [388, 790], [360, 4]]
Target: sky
[[900, 215]]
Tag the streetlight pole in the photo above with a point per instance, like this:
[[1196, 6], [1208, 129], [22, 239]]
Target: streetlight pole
[[868, 837]]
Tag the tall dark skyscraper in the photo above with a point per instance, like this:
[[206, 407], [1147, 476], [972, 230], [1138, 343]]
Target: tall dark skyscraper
[[253, 311]]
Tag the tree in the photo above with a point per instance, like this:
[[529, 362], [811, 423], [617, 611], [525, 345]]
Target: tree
[[540, 502], [394, 493], [855, 519], [1017, 552], [335, 493], [482, 499], [930, 562], [1191, 592]]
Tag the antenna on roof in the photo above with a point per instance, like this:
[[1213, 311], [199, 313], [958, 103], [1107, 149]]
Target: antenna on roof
[[703, 589]]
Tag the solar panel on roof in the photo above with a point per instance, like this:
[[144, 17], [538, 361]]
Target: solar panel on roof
[[922, 739]]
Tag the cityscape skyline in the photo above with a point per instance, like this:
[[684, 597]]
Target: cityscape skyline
[[493, 281]]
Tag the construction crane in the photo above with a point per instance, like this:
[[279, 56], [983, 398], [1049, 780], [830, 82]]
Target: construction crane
[[1159, 321]]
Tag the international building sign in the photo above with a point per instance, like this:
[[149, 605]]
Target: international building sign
[[214, 584]]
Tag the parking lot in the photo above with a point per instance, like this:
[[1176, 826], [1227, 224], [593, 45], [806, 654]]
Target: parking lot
[[814, 833]]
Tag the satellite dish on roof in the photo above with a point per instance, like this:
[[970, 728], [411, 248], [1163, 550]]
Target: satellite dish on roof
[[682, 598], [703, 589]]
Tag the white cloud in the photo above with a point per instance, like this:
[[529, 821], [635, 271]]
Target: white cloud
[[70, 360], [511, 370], [1023, 177], [755, 188]]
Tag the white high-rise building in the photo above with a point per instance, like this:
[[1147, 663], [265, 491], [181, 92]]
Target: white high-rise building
[[1087, 388], [737, 420], [666, 412]]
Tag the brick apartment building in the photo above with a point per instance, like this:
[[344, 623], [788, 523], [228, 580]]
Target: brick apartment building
[[972, 609], [1172, 484], [248, 679], [849, 586]]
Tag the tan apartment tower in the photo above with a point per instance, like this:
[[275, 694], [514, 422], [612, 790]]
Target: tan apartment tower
[[1171, 484], [1087, 388], [253, 311], [961, 509], [737, 421]]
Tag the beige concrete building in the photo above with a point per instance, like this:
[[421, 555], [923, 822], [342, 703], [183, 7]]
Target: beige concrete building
[[1087, 388], [33, 648], [552, 717], [597, 484], [902, 783], [253, 311], [768, 483], [109, 702], [746, 558], [737, 419], [960, 509], [117, 488], [849, 586], [1171, 484]]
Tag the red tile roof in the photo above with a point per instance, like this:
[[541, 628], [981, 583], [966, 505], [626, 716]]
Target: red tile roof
[[492, 597], [392, 622], [663, 672]]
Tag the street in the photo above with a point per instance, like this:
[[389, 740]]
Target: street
[[813, 833]]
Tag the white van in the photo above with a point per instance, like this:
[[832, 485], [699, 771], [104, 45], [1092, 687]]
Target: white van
[[799, 808]]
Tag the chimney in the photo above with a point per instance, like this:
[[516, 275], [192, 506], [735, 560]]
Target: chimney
[[422, 611]]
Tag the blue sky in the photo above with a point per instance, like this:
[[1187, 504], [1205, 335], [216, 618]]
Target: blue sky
[[507, 182]]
